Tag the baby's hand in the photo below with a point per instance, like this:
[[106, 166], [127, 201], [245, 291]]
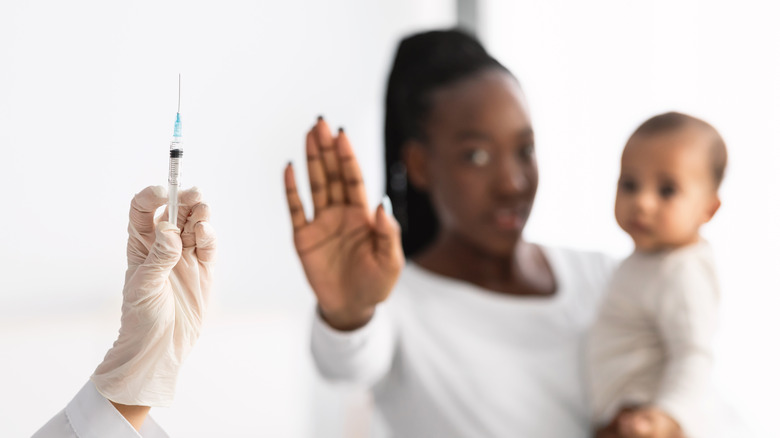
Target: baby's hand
[[648, 422]]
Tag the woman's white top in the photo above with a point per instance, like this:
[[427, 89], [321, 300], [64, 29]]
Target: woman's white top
[[652, 342], [90, 415], [448, 359]]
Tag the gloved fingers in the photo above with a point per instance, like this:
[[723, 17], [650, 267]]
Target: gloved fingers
[[199, 213], [205, 242], [143, 206], [141, 228], [194, 272], [187, 199], [150, 277], [137, 251]]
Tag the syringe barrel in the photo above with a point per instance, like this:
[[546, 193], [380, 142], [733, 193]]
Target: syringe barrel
[[175, 163], [174, 178]]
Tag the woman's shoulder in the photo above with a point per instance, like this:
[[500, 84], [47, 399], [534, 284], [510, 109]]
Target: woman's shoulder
[[581, 274], [578, 262], [567, 264], [414, 276]]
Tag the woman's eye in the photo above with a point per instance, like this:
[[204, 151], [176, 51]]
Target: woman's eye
[[527, 151], [478, 157], [667, 191], [627, 186]]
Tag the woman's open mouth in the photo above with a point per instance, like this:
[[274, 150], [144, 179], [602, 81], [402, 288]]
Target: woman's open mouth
[[509, 218]]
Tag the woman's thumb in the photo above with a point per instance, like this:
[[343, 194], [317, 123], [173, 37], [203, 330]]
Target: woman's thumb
[[388, 233]]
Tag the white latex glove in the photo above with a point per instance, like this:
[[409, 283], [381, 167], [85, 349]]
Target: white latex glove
[[167, 284]]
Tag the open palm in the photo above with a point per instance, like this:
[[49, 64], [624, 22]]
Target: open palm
[[351, 256]]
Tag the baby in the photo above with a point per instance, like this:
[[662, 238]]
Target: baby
[[650, 352]]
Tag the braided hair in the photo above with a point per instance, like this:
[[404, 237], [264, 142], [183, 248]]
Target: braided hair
[[424, 62]]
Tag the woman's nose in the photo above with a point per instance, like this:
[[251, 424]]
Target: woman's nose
[[512, 177]]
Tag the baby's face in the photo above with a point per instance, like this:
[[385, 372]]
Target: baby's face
[[666, 190]]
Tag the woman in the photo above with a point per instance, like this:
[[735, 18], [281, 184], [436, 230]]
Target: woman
[[481, 335]]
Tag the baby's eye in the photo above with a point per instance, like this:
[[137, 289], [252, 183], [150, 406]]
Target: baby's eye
[[478, 157], [627, 185], [667, 191]]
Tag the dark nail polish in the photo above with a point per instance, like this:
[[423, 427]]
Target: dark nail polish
[[319, 118], [341, 130]]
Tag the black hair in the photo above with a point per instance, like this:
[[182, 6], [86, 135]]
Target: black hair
[[674, 121], [424, 62]]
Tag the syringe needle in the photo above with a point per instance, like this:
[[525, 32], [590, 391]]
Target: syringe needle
[[178, 106]]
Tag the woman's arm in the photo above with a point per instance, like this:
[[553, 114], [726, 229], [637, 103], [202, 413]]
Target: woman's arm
[[361, 356]]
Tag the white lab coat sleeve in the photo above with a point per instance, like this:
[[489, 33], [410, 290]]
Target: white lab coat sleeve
[[90, 415], [363, 356]]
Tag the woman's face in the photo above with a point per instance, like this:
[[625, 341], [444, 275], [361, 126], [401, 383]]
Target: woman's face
[[478, 163]]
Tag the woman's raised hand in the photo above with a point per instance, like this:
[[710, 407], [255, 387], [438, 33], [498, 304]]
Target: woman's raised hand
[[352, 255]]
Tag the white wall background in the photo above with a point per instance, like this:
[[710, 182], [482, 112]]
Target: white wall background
[[87, 99], [87, 104]]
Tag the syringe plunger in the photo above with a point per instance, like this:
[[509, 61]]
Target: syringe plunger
[[174, 165], [174, 171]]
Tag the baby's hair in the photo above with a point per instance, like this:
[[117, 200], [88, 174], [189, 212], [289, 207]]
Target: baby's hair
[[674, 121]]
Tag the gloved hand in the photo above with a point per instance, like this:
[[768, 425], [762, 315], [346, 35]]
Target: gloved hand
[[167, 285]]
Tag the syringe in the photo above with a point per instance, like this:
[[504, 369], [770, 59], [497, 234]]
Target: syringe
[[174, 167]]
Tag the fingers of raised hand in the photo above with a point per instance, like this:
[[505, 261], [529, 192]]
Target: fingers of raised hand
[[297, 215], [352, 177], [388, 243], [317, 179], [198, 213], [333, 174]]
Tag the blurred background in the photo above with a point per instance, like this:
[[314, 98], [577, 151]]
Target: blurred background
[[87, 102]]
